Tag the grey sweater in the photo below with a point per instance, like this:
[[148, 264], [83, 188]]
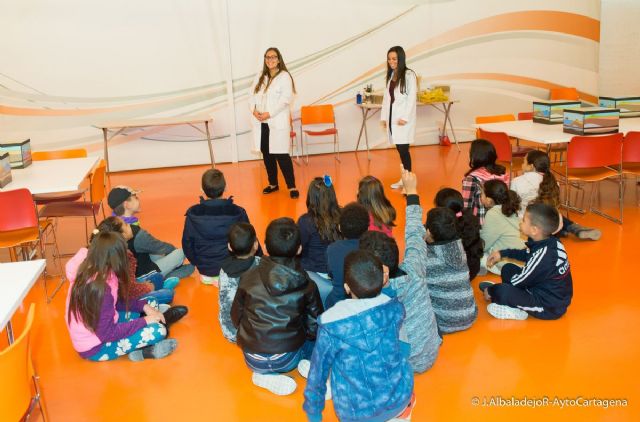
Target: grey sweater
[[449, 286], [412, 291]]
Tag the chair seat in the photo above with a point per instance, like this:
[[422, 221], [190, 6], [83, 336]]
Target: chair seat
[[631, 168], [329, 131], [70, 209], [588, 174], [47, 198], [12, 238]]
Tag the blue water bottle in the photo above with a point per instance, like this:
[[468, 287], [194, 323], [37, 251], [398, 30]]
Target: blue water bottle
[[359, 98]]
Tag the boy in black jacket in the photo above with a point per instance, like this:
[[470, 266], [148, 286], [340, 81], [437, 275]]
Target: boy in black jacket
[[543, 287], [275, 310], [206, 227]]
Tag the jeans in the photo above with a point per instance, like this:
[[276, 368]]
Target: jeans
[[280, 362]]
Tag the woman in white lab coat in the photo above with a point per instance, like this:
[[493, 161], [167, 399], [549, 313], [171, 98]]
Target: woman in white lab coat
[[270, 97], [398, 114]]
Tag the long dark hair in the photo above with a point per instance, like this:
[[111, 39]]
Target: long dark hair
[[468, 224], [500, 193], [107, 255], [548, 191], [483, 154], [323, 208], [266, 76], [371, 196], [114, 224], [401, 70]]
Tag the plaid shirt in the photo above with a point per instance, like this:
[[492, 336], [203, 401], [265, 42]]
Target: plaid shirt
[[472, 188]]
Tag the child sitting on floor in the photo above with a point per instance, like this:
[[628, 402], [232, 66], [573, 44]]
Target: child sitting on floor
[[482, 167], [206, 227], [538, 184], [98, 331], [468, 226], [501, 228], [243, 245], [153, 255], [447, 273], [354, 222], [543, 288], [358, 347], [381, 213], [275, 310]]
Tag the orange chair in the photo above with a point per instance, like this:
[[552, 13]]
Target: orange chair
[[293, 136], [84, 209], [319, 115], [16, 398], [493, 119], [46, 198], [631, 155], [564, 94], [506, 153], [592, 159], [20, 229], [527, 115]]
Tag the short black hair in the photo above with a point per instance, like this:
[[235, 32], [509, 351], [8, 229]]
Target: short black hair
[[354, 220], [242, 237], [363, 274], [441, 223], [213, 183], [449, 198], [545, 217], [282, 238], [382, 246]]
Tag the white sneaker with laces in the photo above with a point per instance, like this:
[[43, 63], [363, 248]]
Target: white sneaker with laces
[[303, 368], [506, 312], [397, 185], [281, 385]]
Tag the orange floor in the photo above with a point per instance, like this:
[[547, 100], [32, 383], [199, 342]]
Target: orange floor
[[592, 352]]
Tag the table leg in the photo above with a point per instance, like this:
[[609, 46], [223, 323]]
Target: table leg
[[9, 329], [105, 133], [447, 118], [364, 112], [206, 125], [366, 139]]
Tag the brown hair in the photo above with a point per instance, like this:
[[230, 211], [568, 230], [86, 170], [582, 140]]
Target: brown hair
[[107, 256], [401, 70], [323, 208], [500, 193], [371, 196], [548, 191], [267, 76]]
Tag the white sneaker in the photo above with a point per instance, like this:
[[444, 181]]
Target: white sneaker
[[281, 385], [506, 312], [209, 281], [397, 185], [163, 307], [303, 368]]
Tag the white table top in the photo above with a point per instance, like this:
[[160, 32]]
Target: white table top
[[376, 106], [16, 279], [546, 134], [52, 176], [159, 121]]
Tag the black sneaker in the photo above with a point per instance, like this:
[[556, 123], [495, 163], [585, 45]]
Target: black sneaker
[[270, 189], [484, 285], [294, 194], [175, 314]]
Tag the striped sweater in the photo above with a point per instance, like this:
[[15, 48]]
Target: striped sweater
[[451, 294]]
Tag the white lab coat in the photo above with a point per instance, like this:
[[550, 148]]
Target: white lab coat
[[404, 107], [276, 100]]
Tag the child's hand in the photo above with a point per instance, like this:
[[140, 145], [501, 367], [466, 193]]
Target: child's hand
[[493, 258], [153, 315], [410, 181]]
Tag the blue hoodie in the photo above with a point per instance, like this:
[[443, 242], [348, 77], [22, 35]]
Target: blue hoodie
[[371, 378]]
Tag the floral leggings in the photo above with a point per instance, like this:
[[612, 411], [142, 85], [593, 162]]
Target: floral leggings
[[151, 334]]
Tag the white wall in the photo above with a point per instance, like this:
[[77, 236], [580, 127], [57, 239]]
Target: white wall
[[69, 64], [620, 48]]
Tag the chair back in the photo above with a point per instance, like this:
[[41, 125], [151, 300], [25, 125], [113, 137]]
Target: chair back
[[59, 154], [15, 367], [594, 151], [564, 94], [98, 183], [631, 148], [527, 115], [317, 114], [17, 210], [501, 143]]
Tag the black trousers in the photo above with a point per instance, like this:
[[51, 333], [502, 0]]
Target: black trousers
[[271, 161], [515, 297], [403, 149]]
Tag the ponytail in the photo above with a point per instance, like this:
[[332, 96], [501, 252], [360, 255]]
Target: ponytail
[[548, 191], [498, 191]]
